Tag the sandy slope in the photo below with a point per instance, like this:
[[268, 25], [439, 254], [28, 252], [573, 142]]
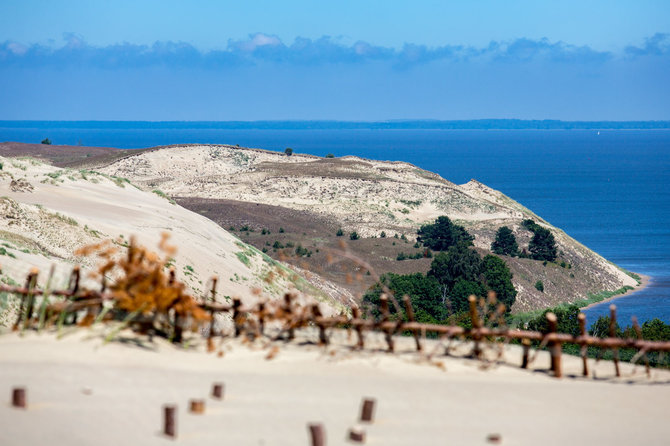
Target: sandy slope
[[81, 392], [56, 211], [369, 197]]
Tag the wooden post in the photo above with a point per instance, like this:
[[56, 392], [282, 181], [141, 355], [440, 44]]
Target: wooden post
[[197, 406], [237, 316], [316, 313], [357, 434], [615, 350], [476, 325], [526, 350], [367, 410], [210, 345], [19, 397], [582, 333], [317, 434], [31, 283], [288, 308], [638, 332], [410, 316], [356, 313], [169, 425], [554, 346], [217, 391], [384, 308]]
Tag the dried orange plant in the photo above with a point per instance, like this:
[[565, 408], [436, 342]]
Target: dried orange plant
[[143, 284]]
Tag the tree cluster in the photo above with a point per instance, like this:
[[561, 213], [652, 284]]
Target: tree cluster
[[454, 276], [443, 234]]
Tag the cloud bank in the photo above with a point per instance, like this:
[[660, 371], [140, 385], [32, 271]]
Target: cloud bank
[[263, 48]]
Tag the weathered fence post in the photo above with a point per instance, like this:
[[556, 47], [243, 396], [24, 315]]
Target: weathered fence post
[[19, 397], [356, 313], [476, 325], [316, 314], [237, 316], [410, 316], [384, 308], [615, 350], [217, 391], [581, 317], [317, 434], [169, 425], [367, 409], [554, 346], [638, 332], [526, 350]]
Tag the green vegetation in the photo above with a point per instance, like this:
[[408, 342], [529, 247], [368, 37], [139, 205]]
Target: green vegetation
[[162, 194], [383, 234], [539, 286], [505, 242], [339, 233], [354, 236], [288, 151], [242, 257], [302, 252], [330, 155], [454, 276], [567, 322], [46, 141], [4, 252], [281, 230], [443, 234], [542, 246]]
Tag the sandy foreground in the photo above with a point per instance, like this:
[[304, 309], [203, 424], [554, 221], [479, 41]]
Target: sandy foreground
[[81, 391]]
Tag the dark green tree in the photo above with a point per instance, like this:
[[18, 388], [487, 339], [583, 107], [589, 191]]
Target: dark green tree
[[542, 246], [505, 242], [288, 151], [458, 262], [498, 278], [458, 297], [46, 141], [443, 234]]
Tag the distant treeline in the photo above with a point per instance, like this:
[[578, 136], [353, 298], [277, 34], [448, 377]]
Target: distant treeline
[[477, 124]]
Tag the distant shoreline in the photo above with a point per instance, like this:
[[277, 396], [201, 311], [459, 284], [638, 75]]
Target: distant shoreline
[[644, 283], [409, 124]]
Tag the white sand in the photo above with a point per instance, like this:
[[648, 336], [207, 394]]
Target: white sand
[[270, 402]]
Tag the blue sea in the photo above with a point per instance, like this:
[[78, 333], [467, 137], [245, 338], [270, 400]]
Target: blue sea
[[609, 189]]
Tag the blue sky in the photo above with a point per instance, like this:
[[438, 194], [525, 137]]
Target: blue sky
[[348, 60]]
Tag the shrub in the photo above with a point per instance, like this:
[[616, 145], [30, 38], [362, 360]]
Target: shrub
[[354, 236], [330, 155], [46, 141], [443, 234], [539, 286], [505, 242], [383, 234], [339, 232], [401, 256], [281, 230], [277, 245], [288, 151]]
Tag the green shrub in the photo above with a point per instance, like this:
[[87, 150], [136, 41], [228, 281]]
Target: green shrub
[[330, 155], [539, 286], [281, 230], [288, 151], [46, 141], [339, 232], [354, 236]]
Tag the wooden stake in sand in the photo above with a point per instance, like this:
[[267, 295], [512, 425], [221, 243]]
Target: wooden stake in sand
[[217, 391], [197, 407], [169, 426], [367, 410], [357, 434], [19, 397], [318, 434], [555, 348]]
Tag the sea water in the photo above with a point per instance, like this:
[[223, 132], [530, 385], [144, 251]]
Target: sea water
[[609, 189]]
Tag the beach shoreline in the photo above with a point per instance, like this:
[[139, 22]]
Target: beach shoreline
[[645, 280]]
